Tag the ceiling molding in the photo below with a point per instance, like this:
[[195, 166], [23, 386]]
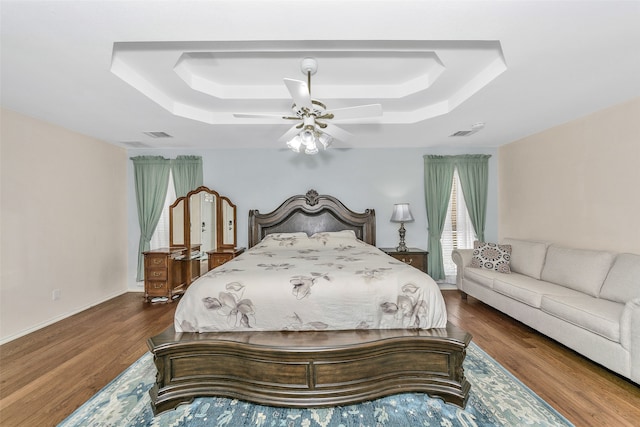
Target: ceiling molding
[[413, 80]]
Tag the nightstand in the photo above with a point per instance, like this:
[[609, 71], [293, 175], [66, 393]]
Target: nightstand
[[412, 256], [217, 257]]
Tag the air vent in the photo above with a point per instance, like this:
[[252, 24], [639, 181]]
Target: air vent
[[474, 128], [158, 134], [462, 133]]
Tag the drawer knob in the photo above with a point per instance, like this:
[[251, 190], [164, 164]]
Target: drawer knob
[[156, 274], [157, 261], [407, 261]]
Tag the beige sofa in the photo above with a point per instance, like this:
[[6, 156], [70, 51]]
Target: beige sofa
[[587, 300]]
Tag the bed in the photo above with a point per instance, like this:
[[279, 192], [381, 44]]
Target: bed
[[231, 338]]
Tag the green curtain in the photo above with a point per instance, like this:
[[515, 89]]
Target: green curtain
[[151, 179], [473, 171], [187, 174], [438, 178]]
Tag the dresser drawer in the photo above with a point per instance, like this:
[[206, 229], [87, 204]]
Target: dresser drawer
[[157, 288], [218, 260], [414, 257], [219, 257], [155, 261], [416, 261], [156, 274]]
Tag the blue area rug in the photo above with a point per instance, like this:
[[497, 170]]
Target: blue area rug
[[497, 398]]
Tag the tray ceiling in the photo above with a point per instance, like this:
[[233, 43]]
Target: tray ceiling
[[209, 81], [120, 70]]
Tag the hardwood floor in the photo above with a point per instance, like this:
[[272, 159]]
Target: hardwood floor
[[46, 375]]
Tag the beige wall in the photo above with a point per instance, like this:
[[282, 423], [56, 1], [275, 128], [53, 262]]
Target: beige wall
[[577, 184], [63, 223]]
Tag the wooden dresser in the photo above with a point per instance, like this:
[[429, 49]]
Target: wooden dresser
[[412, 256], [217, 257], [166, 273]]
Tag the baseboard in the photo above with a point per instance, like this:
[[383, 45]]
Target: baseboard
[[59, 318], [136, 287]]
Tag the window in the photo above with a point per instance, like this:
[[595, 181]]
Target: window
[[458, 230], [160, 238]]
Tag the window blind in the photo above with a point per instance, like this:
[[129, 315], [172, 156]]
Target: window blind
[[458, 230]]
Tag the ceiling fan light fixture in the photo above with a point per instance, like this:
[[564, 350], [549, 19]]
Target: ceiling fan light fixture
[[308, 135], [295, 143], [308, 139], [325, 140], [311, 148]]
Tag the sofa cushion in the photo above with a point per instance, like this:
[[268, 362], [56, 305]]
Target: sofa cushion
[[527, 256], [529, 290], [579, 269], [481, 276], [491, 256], [623, 281], [596, 315]]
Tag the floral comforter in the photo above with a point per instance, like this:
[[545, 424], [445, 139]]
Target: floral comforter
[[329, 281]]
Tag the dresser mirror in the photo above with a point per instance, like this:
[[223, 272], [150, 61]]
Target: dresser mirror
[[177, 213], [228, 232], [203, 214], [203, 218]]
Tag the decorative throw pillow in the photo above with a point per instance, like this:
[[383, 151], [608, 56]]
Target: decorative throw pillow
[[491, 256]]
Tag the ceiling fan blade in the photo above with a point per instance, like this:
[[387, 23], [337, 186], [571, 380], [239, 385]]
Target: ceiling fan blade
[[289, 134], [360, 111], [337, 133], [259, 116], [299, 92]]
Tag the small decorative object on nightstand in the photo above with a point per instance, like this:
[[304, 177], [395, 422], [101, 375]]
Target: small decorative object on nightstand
[[401, 214], [413, 256]]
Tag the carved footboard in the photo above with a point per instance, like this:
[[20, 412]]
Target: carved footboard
[[309, 368]]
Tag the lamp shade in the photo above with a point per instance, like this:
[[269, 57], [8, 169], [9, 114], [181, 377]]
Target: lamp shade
[[401, 213], [295, 143]]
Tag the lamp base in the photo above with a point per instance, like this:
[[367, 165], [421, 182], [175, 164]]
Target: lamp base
[[401, 246]]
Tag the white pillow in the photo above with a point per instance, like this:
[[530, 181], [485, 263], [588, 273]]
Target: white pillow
[[283, 240], [527, 256], [343, 234], [335, 238], [582, 270], [623, 281]]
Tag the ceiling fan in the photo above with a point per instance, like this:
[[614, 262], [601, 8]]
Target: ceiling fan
[[313, 128]]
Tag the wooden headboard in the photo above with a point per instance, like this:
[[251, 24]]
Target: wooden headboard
[[312, 213]]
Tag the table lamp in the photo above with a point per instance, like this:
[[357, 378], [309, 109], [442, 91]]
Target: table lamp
[[401, 214]]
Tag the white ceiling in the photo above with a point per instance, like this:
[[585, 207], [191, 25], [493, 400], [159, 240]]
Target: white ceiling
[[116, 69]]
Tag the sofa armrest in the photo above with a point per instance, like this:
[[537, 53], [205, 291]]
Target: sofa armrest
[[462, 258], [630, 335]]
